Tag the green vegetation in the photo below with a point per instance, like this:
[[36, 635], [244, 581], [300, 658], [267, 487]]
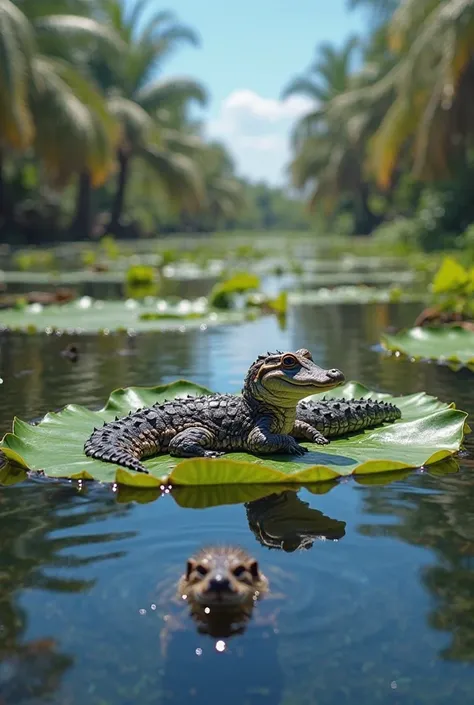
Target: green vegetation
[[223, 294], [453, 290], [428, 432], [390, 140], [447, 345], [387, 150], [95, 140]]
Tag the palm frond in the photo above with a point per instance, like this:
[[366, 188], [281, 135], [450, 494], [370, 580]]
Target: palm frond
[[137, 124], [302, 85], [178, 141], [178, 174], [142, 11], [398, 125], [79, 137], [16, 51], [170, 91], [154, 31], [58, 31], [407, 20]]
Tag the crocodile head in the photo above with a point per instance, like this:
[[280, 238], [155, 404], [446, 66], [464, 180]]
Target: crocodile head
[[283, 379], [222, 576]]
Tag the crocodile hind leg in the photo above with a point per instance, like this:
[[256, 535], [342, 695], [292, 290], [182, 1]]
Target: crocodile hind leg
[[301, 429], [193, 442]]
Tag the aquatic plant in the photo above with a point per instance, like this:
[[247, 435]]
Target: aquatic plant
[[448, 345], [428, 432], [223, 293]]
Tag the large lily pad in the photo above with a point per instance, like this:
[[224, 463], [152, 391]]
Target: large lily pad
[[351, 295], [86, 315], [442, 344], [428, 432]]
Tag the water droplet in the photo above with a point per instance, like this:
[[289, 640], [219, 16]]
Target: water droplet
[[198, 652], [220, 646]]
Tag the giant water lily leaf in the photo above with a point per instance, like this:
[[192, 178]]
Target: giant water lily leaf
[[443, 344], [428, 432], [89, 316], [351, 295]]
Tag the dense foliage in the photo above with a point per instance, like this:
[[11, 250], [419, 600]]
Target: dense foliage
[[94, 139], [390, 139]]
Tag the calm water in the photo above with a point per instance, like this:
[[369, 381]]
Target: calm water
[[382, 611]]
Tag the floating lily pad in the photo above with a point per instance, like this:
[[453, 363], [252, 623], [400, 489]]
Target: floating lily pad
[[371, 278], [428, 432], [87, 315], [441, 344], [351, 294]]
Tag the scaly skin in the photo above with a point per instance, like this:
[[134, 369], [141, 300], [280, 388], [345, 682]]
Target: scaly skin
[[259, 421], [268, 417], [336, 417]]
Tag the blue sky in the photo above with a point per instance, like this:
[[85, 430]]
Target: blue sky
[[249, 50]]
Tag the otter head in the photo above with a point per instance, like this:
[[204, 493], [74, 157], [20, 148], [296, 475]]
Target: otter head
[[222, 577], [283, 379]]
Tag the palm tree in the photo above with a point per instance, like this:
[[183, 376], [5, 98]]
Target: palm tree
[[432, 83], [16, 50], [38, 79], [224, 193], [328, 162], [151, 112], [327, 77]]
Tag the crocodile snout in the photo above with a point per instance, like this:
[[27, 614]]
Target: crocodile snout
[[336, 375]]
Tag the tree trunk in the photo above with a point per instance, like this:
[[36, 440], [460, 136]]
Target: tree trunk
[[119, 200], [3, 204], [364, 219], [81, 225]]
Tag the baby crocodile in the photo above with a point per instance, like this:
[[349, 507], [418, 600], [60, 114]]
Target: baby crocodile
[[267, 418], [261, 420]]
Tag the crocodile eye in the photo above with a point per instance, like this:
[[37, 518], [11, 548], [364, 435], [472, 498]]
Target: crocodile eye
[[202, 570], [240, 570], [289, 361]]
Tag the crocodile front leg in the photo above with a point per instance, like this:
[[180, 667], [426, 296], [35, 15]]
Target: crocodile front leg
[[193, 442], [301, 429], [262, 440]]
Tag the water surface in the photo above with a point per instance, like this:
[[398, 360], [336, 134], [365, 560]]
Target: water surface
[[372, 586]]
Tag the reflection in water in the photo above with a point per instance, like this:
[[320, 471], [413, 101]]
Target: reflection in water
[[354, 624], [285, 522], [31, 670], [28, 549], [441, 520]]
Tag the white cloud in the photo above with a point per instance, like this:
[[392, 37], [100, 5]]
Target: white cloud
[[257, 131]]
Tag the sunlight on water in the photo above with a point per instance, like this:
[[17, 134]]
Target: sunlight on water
[[371, 586]]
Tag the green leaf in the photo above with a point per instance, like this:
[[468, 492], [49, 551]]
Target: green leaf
[[428, 432], [450, 277], [442, 344], [88, 316]]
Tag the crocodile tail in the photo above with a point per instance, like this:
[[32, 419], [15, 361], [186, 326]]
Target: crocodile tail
[[115, 443], [336, 417]]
